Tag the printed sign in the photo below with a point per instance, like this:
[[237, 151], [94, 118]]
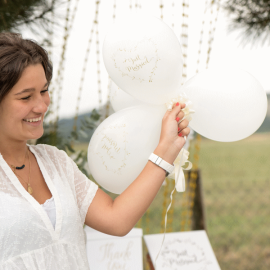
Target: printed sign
[[108, 252], [182, 250]]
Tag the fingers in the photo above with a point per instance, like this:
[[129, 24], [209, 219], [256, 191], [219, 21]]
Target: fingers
[[184, 132], [183, 124], [177, 109], [183, 129], [180, 116], [183, 105], [173, 114], [176, 114]]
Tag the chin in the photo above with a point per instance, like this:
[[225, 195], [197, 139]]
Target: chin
[[36, 135]]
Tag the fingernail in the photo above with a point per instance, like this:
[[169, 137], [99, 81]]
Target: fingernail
[[177, 119], [179, 129], [177, 104], [180, 134]]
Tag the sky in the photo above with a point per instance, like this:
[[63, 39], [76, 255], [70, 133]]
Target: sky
[[227, 50]]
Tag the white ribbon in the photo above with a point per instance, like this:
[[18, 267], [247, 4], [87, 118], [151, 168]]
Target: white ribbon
[[182, 157], [179, 177], [182, 98], [178, 173], [180, 160]]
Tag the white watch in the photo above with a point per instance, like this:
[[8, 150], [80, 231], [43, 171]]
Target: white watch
[[162, 163]]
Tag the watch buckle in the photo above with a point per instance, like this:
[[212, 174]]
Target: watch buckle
[[158, 160]]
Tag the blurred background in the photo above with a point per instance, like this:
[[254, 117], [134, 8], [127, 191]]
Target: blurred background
[[228, 187]]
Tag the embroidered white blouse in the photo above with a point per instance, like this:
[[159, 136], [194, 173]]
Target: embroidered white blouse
[[28, 240]]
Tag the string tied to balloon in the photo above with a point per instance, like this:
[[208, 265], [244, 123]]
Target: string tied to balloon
[[180, 161], [179, 177]]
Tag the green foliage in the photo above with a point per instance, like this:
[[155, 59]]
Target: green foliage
[[35, 14], [53, 137], [252, 16]]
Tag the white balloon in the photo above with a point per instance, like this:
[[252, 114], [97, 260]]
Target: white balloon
[[121, 100], [120, 147], [229, 104], [143, 57]]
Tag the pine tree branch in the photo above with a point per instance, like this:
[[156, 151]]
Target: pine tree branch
[[33, 13], [250, 16], [35, 18]]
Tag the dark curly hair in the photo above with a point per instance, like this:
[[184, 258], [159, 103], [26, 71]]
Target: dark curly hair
[[16, 54]]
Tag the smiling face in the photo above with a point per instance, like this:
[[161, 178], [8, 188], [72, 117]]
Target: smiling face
[[22, 109]]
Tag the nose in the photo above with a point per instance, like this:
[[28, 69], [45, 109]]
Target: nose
[[41, 104]]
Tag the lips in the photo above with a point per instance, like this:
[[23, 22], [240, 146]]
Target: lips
[[33, 121], [30, 120]]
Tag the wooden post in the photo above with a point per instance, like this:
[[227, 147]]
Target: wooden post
[[198, 219], [149, 261]]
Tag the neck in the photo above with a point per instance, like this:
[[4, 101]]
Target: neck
[[14, 153]]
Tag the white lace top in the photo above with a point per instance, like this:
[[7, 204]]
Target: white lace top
[[28, 239]]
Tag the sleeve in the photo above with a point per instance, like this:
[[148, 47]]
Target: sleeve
[[83, 188]]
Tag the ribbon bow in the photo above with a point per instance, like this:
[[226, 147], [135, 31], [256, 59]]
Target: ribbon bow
[[178, 173], [182, 98], [182, 157]]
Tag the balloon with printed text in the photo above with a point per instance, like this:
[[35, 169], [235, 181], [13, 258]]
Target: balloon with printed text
[[143, 57]]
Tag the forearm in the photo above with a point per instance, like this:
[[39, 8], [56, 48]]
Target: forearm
[[129, 207]]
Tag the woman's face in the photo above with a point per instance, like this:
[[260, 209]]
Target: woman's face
[[22, 110]]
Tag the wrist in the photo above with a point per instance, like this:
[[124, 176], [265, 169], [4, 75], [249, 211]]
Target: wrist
[[167, 167], [168, 154]]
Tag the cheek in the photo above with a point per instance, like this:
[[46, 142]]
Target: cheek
[[21, 113], [11, 120], [14, 113]]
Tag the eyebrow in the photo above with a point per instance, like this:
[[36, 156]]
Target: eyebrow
[[29, 90]]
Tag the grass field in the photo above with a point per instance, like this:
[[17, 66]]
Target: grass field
[[236, 180]]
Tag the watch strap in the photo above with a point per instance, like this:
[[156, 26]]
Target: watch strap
[[161, 163]]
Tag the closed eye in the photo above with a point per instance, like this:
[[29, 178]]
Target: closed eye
[[43, 91], [25, 98]]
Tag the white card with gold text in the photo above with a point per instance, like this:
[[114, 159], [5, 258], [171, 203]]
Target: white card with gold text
[[106, 252], [182, 250]]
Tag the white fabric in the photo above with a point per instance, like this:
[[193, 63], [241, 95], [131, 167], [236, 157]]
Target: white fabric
[[49, 208], [28, 240]]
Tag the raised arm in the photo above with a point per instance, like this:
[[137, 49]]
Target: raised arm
[[118, 217]]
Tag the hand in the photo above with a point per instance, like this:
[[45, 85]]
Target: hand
[[172, 132]]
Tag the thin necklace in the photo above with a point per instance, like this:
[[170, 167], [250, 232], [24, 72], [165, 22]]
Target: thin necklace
[[20, 168], [29, 188]]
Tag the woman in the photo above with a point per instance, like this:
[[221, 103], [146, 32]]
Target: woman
[[44, 198]]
